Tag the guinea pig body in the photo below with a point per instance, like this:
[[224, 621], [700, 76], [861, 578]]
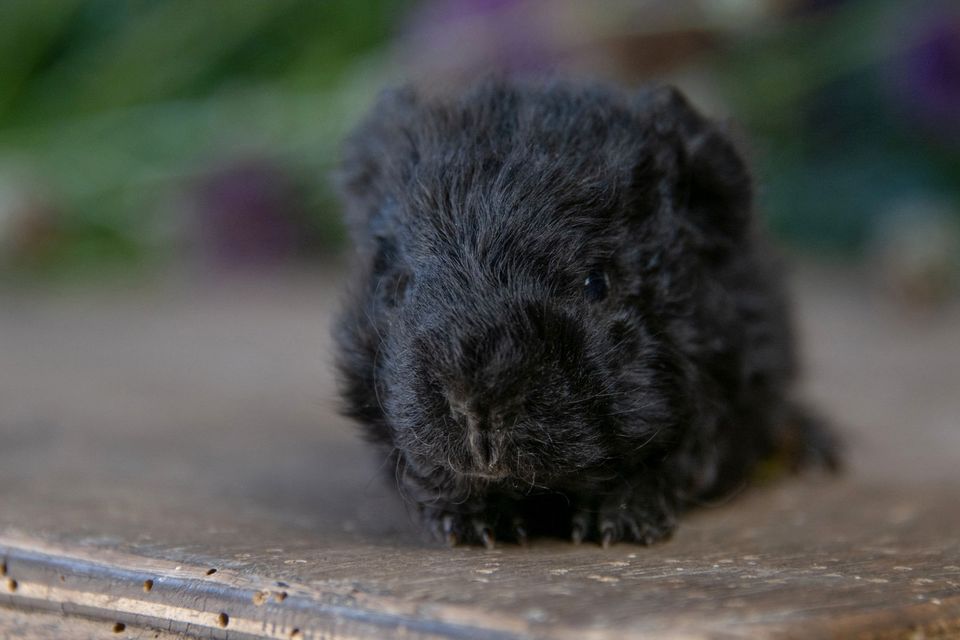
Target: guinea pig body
[[563, 319]]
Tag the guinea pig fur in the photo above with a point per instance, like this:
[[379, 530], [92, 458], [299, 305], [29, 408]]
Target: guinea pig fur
[[563, 319]]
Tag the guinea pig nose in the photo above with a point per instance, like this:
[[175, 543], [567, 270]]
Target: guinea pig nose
[[484, 448], [482, 432]]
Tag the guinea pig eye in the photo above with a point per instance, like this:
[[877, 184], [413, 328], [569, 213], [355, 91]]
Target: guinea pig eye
[[596, 285]]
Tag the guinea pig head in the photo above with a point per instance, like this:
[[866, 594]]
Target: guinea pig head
[[522, 255]]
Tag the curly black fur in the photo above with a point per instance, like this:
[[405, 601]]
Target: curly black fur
[[564, 320]]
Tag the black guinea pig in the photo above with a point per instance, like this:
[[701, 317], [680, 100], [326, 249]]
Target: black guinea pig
[[564, 320]]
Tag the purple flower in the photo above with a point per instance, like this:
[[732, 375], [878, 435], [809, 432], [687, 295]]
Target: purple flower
[[480, 36], [928, 74], [249, 215]]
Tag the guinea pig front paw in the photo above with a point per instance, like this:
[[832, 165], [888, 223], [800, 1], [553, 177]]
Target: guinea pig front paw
[[454, 528], [483, 527], [643, 520]]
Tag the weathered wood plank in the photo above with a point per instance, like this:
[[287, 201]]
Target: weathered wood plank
[[22, 624], [160, 435]]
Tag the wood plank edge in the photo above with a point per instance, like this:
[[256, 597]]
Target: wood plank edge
[[185, 600]]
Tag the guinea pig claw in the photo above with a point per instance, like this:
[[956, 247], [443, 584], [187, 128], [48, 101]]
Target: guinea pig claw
[[607, 534], [486, 535], [520, 532], [449, 532], [576, 535], [578, 529]]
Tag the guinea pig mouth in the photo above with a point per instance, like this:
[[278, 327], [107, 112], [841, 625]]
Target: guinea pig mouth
[[468, 468], [484, 452]]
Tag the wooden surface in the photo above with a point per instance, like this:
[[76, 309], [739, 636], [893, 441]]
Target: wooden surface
[[150, 436]]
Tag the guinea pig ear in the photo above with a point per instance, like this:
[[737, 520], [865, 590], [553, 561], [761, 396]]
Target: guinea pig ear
[[376, 161], [711, 183]]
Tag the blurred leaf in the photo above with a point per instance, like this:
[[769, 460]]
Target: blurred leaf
[[29, 30], [114, 108], [767, 74], [162, 48]]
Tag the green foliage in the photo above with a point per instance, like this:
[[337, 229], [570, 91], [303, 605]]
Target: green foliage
[[836, 150], [113, 107], [112, 112]]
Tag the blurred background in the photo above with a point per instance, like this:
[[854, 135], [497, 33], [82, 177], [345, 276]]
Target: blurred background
[[142, 137], [171, 250]]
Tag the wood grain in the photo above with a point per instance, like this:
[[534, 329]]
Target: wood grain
[[185, 434]]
